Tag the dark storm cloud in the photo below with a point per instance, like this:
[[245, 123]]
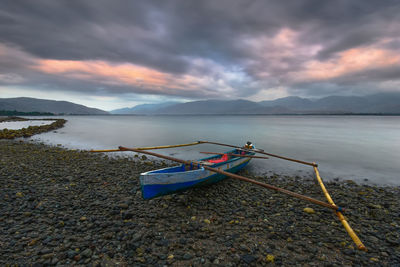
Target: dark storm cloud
[[246, 45], [87, 30]]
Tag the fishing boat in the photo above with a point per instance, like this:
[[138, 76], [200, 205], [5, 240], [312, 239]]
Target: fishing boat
[[216, 168], [170, 180]]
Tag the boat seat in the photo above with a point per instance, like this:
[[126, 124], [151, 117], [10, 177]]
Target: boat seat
[[222, 159]]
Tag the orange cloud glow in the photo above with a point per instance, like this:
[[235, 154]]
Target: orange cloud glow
[[113, 74], [349, 61]]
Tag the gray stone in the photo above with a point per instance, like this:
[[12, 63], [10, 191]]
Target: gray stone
[[87, 253], [248, 258], [187, 256]]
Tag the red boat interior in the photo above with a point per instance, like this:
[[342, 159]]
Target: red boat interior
[[222, 159]]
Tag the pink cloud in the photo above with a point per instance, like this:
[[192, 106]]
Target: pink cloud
[[347, 62], [150, 80], [272, 55], [106, 73]]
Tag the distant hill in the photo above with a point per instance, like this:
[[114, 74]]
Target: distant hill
[[26, 104], [222, 107], [291, 102], [143, 109], [383, 103]]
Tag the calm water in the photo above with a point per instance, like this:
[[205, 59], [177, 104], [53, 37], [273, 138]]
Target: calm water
[[345, 147]]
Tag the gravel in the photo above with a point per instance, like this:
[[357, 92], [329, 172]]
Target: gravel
[[64, 207]]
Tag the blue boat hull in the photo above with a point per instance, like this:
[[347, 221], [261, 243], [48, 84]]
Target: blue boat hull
[[171, 180]]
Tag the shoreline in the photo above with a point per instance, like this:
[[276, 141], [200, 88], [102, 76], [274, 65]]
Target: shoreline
[[74, 207], [30, 130]]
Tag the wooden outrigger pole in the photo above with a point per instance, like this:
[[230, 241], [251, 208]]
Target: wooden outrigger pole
[[151, 147], [262, 152], [238, 177], [346, 225], [339, 214], [235, 155], [332, 205]]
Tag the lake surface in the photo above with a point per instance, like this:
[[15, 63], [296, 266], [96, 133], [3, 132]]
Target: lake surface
[[361, 148]]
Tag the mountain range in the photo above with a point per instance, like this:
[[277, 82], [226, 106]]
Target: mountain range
[[27, 104], [143, 109], [382, 103]]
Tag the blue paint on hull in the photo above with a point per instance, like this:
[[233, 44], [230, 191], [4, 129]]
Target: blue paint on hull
[[155, 190]]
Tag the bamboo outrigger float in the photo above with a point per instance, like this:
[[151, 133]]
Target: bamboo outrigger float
[[225, 168]]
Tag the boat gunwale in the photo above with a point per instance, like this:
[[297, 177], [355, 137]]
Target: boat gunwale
[[155, 172], [235, 158]]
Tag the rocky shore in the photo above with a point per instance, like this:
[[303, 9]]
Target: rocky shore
[[30, 130], [64, 207]]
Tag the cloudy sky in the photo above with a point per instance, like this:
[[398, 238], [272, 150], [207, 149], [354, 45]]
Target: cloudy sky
[[113, 54]]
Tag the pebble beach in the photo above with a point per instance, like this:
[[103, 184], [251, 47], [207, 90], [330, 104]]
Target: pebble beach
[[71, 207]]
